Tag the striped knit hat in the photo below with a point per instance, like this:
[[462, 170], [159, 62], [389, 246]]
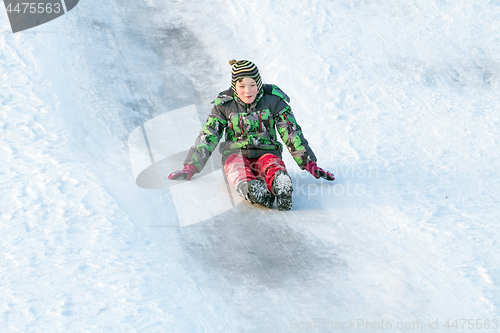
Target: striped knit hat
[[244, 68]]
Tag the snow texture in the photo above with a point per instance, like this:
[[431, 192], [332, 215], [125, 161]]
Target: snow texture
[[399, 99]]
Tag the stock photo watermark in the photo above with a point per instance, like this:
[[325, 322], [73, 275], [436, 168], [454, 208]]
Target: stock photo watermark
[[354, 185], [27, 14], [491, 325]]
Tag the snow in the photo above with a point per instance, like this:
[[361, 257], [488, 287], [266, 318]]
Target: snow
[[399, 99]]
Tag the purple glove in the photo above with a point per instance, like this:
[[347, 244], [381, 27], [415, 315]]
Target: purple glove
[[317, 172], [186, 173]]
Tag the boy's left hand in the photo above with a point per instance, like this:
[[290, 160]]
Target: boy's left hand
[[317, 172]]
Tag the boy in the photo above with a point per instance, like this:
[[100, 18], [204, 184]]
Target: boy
[[251, 113]]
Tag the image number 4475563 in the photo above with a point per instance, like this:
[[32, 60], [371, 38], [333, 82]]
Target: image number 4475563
[[26, 14]]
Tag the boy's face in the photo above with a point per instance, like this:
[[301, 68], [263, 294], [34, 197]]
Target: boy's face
[[246, 89]]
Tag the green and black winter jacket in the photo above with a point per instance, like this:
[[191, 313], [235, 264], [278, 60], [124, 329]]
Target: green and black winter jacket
[[251, 129]]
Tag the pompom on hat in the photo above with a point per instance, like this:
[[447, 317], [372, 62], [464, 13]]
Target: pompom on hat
[[244, 68]]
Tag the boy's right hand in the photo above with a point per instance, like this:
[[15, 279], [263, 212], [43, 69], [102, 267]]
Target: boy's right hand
[[186, 173]]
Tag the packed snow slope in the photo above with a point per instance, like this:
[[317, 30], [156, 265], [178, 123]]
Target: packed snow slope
[[400, 99]]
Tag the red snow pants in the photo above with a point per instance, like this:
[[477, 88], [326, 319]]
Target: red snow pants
[[239, 168]]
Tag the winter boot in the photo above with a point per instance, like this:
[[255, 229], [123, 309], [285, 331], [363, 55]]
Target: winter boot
[[282, 188], [256, 191]]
